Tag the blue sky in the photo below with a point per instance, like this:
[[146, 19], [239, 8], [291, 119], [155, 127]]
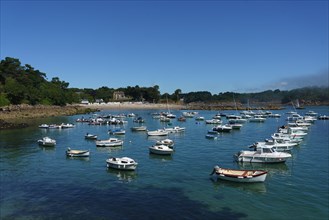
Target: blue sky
[[215, 46]]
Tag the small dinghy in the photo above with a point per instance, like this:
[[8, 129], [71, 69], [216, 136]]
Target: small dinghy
[[47, 141], [123, 163], [77, 153], [161, 149], [242, 176]]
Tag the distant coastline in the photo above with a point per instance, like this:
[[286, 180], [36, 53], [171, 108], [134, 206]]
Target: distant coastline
[[16, 116]]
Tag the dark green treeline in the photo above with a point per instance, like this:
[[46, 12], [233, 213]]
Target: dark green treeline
[[23, 84]]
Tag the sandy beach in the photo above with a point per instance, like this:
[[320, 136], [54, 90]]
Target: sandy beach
[[17, 116]]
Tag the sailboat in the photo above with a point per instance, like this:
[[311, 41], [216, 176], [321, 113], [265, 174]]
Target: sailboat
[[169, 114], [298, 106], [235, 120]]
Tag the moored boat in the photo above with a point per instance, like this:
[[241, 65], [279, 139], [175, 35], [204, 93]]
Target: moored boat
[[77, 153], [161, 149], [118, 131], [158, 132], [175, 129], [223, 128], [45, 126], [242, 176], [121, 163], [262, 154], [168, 142], [139, 128], [111, 142], [277, 144], [257, 118], [47, 141], [91, 136]]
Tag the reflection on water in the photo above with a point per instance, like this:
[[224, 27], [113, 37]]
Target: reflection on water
[[123, 175], [156, 138], [161, 157], [109, 149], [47, 148], [78, 158], [249, 187]]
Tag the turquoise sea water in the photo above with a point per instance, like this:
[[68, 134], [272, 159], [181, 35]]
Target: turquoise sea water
[[42, 183]]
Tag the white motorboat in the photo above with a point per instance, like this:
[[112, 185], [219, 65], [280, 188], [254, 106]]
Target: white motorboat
[[188, 114], [300, 123], [170, 115], [139, 128], [45, 126], [213, 121], [310, 119], [122, 163], [294, 117], [111, 142], [175, 129], [274, 115], [323, 117], [223, 128], [118, 131], [131, 115], [262, 154], [199, 118], [55, 126], [164, 118], [161, 149], [158, 132], [167, 142], [277, 144], [47, 141], [257, 118], [293, 131], [311, 113], [77, 153], [236, 119], [242, 176], [91, 136], [67, 125], [235, 125], [287, 138]]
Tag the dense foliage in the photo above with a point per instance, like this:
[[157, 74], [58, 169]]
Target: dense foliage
[[24, 84]]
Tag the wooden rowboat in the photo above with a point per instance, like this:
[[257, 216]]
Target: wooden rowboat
[[243, 176], [77, 153]]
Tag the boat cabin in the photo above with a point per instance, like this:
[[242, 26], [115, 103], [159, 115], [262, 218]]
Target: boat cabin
[[264, 149]]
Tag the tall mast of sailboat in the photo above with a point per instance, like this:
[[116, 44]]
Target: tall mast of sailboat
[[236, 109], [167, 104]]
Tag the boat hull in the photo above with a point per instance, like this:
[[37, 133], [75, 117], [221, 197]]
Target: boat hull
[[121, 163], [109, 143], [160, 150], [46, 144], [257, 159], [76, 153], [156, 133], [241, 176], [241, 179], [121, 167]]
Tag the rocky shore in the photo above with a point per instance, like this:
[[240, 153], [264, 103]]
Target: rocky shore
[[16, 116]]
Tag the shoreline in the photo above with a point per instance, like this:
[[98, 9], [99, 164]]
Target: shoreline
[[16, 116]]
